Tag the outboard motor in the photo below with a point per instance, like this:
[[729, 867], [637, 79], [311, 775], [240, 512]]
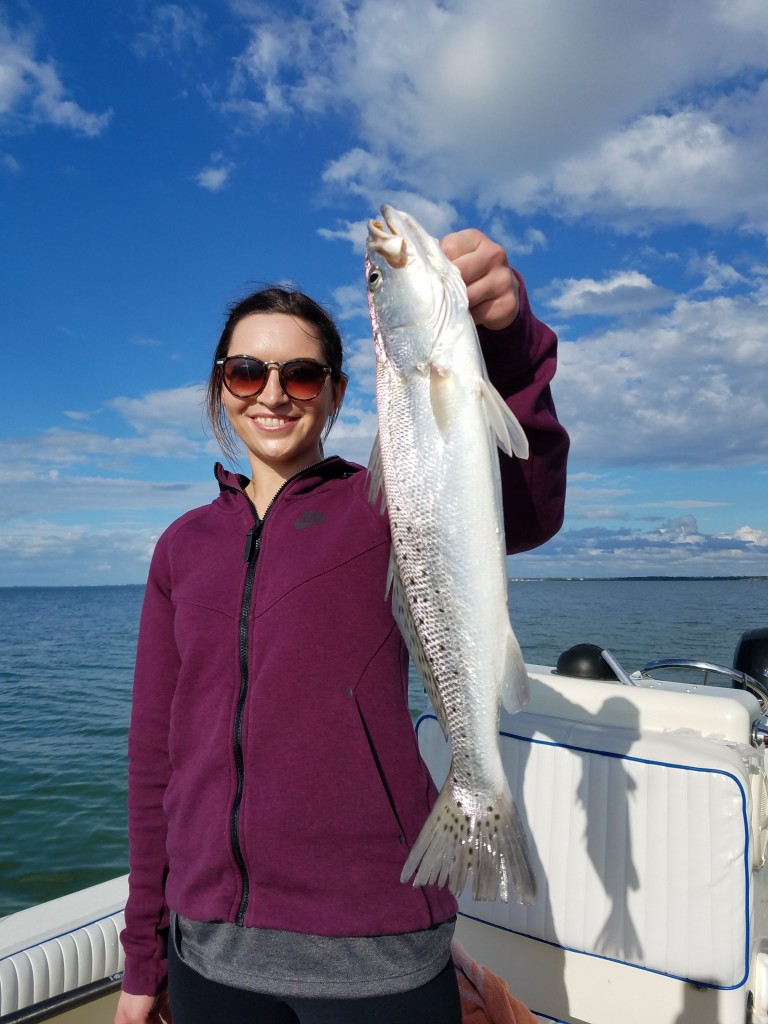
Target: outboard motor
[[752, 655], [585, 661]]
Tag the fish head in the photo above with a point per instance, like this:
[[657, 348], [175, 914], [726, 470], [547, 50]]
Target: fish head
[[413, 290]]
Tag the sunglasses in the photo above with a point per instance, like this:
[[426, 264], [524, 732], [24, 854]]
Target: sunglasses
[[246, 376]]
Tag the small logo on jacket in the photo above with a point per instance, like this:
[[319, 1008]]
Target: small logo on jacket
[[308, 519]]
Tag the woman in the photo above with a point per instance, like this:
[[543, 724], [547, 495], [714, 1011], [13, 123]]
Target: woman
[[275, 784]]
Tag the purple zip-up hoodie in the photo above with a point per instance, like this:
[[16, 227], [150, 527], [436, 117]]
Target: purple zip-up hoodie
[[275, 779]]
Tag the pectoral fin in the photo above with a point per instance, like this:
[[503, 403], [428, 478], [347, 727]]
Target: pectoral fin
[[376, 477], [510, 435], [443, 397]]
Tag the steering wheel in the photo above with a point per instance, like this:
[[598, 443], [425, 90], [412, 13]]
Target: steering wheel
[[743, 680]]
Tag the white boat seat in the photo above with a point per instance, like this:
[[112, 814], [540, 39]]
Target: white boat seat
[[640, 842]]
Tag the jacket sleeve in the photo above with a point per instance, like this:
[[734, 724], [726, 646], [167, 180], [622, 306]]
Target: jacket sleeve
[[157, 664], [521, 361]]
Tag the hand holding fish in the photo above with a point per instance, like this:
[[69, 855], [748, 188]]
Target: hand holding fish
[[492, 286]]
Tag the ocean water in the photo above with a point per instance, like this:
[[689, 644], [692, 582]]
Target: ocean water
[[66, 663]]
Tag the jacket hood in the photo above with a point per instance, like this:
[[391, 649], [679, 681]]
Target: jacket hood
[[331, 468]]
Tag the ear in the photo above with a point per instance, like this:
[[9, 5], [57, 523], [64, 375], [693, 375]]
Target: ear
[[339, 390]]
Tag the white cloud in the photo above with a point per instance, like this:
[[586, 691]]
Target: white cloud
[[717, 276], [10, 163], [355, 232], [676, 548], [161, 424], [216, 175], [78, 415], [663, 165], [690, 388], [172, 30], [37, 491], [350, 301], [626, 292], [580, 109], [353, 434], [45, 552], [358, 171], [751, 535], [531, 240], [436, 217], [178, 409], [31, 91], [683, 503]]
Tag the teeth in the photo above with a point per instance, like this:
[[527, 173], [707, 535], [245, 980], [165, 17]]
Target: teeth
[[270, 421]]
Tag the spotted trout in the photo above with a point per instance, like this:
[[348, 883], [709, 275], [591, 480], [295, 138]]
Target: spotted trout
[[434, 467]]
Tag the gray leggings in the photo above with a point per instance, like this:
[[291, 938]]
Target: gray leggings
[[195, 1000]]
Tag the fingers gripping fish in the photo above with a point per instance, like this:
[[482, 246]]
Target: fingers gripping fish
[[435, 469]]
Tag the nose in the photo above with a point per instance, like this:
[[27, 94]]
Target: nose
[[272, 393]]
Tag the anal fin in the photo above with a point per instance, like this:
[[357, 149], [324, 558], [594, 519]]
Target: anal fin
[[514, 682]]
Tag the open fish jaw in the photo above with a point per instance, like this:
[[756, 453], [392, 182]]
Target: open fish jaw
[[437, 467]]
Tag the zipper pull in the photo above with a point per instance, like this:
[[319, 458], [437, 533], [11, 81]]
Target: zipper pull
[[252, 542]]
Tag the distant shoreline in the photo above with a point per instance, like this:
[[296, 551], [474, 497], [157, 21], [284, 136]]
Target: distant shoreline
[[635, 579], [510, 579]]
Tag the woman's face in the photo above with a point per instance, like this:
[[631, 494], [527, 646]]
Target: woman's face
[[276, 430]]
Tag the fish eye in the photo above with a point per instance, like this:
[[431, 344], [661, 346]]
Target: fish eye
[[375, 280]]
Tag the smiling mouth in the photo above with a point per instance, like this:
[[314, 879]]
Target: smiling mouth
[[271, 422]]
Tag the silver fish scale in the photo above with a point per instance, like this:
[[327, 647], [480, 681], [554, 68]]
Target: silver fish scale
[[432, 527]]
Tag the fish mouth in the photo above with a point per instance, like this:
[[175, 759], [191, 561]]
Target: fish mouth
[[401, 240], [387, 238]]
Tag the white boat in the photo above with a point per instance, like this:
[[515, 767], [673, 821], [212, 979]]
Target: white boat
[[646, 803], [63, 960]]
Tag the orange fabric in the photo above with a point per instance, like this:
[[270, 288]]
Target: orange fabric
[[485, 998]]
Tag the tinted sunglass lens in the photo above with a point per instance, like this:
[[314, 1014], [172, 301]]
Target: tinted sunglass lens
[[244, 376], [302, 380]]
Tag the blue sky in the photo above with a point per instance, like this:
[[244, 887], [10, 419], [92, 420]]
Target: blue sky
[[159, 159]]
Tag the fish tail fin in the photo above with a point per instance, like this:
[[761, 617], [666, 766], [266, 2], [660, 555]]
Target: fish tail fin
[[490, 843], [514, 683]]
